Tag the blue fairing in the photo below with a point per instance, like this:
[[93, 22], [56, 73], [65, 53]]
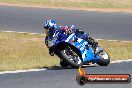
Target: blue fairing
[[83, 46]]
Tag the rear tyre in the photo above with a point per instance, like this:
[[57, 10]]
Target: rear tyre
[[104, 59], [71, 56]]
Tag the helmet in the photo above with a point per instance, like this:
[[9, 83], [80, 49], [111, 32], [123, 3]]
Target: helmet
[[50, 24]]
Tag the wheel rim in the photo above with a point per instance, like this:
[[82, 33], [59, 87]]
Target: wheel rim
[[72, 56]]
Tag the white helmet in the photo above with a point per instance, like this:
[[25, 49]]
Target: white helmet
[[50, 24]]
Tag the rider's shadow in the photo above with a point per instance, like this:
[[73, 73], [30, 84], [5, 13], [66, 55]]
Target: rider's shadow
[[62, 68], [59, 68]]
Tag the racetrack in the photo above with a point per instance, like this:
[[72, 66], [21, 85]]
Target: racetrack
[[117, 26], [99, 24], [63, 78]]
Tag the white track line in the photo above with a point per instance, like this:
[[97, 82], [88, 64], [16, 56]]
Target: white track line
[[113, 40], [37, 70], [22, 71], [20, 32], [120, 61], [45, 34]]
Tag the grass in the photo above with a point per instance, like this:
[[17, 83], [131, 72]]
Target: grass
[[27, 51], [24, 51], [117, 50], [74, 3]]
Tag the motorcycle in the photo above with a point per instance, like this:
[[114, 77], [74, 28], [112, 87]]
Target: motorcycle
[[73, 50]]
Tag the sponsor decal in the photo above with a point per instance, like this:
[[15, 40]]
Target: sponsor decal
[[70, 37]]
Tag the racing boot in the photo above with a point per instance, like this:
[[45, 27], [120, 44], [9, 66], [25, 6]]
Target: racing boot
[[51, 51]]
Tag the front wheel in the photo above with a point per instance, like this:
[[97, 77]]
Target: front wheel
[[63, 63], [104, 59], [71, 56]]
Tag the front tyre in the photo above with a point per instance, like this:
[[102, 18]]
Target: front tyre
[[71, 56], [104, 59]]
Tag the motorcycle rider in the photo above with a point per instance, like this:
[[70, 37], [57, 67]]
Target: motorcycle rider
[[51, 25], [80, 33], [49, 28]]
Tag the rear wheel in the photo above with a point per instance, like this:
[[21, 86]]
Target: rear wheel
[[104, 59], [71, 56]]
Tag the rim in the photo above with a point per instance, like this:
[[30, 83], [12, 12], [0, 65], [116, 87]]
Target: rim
[[72, 56]]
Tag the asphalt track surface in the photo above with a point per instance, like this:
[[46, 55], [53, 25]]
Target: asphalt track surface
[[99, 24], [117, 26], [63, 78]]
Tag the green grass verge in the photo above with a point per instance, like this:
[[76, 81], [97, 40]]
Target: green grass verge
[[75, 3], [24, 51], [117, 50], [27, 51]]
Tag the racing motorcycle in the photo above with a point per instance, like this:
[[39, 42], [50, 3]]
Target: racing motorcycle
[[73, 50]]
